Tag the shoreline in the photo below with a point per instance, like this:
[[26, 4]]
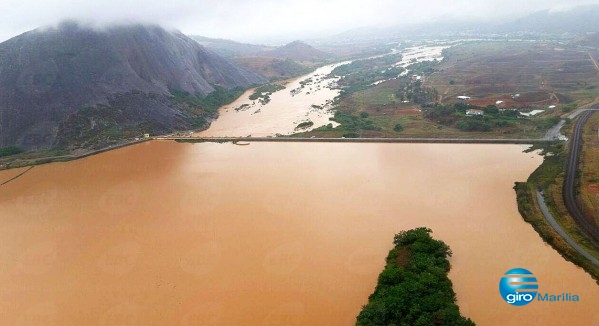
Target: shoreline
[[17, 176], [542, 198], [66, 158], [20, 163]]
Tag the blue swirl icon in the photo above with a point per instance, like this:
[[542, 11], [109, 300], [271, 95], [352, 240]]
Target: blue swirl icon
[[518, 287]]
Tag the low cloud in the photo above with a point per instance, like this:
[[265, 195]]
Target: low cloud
[[244, 19]]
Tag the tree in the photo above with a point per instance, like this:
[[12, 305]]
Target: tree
[[414, 289], [10, 150]]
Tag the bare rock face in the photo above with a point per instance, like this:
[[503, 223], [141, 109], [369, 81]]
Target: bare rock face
[[59, 86]]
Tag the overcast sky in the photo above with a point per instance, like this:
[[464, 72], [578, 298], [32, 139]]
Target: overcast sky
[[256, 20]]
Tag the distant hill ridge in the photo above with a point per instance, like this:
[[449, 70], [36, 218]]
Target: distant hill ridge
[[58, 83], [229, 48], [590, 40], [271, 62], [580, 19], [296, 50]]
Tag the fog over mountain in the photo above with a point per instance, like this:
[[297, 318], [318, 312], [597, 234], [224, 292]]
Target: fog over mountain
[[64, 85], [566, 23], [260, 20]]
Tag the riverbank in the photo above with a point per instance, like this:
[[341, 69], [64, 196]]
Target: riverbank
[[549, 178], [101, 219], [10, 163], [16, 176], [358, 140], [23, 160]]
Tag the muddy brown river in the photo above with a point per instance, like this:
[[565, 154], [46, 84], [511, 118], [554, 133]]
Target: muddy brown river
[[164, 233]]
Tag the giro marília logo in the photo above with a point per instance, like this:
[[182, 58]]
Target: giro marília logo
[[518, 287]]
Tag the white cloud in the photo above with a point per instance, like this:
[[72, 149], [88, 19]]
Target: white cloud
[[241, 19]]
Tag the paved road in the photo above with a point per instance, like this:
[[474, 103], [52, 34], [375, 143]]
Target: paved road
[[554, 133], [571, 177], [549, 217], [358, 140], [594, 61]]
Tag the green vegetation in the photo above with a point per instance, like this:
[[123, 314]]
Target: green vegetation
[[425, 106], [414, 289], [398, 128], [350, 135], [304, 125], [202, 108], [414, 92], [589, 170], [350, 122], [544, 124], [361, 74], [211, 102], [569, 107], [263, 92], [493, 119], [10, 150], [424, 68], [492, 70], [549, 178], [199, 122], [287, 68]]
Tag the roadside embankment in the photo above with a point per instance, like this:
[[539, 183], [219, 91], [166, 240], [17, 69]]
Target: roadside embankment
[[359, 140], [549, 179]]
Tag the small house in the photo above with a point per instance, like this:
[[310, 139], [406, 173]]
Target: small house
[[472, 112], [464, 98]]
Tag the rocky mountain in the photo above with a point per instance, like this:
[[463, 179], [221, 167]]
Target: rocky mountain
[[273, 68], [297, 50], [229, 48], [271, 62], [70, 85]]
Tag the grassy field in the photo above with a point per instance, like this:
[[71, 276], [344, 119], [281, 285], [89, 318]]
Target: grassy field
[[543, 73], [524, 76], [589, 176], [386, 111], [549, 177]]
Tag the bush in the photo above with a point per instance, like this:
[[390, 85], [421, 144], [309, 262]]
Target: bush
[[304, 125], [570, 107], [10, 150], [491, 109], [211, 102], [473, 125], [398, 128], [414, 289], [351, 135]]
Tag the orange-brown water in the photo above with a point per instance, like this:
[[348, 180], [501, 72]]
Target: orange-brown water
[[286, 109], [163, 233]]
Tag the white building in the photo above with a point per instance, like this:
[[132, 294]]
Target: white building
[[475, 112]]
